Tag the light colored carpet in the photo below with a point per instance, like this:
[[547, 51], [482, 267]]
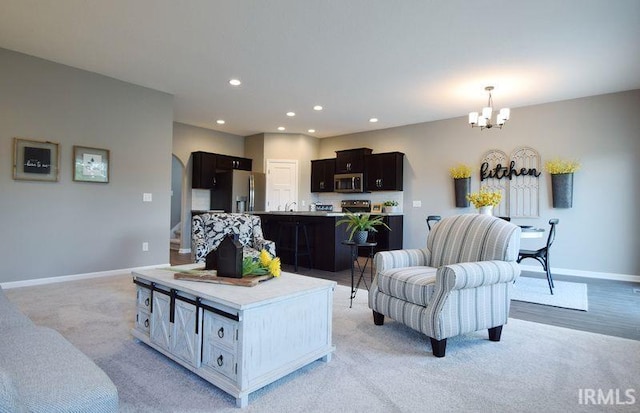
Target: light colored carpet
[[386, 368], [565, 294]]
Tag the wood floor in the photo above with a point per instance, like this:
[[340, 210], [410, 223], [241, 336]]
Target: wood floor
[[614, 306]]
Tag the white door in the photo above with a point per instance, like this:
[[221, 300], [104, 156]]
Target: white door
[[282, 184]]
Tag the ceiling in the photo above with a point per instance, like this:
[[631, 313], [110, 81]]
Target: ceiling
[[402, 61]]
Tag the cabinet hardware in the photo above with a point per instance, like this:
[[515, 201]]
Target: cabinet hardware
[[146, 322], [221, 332], [220, 360], [146, 302]]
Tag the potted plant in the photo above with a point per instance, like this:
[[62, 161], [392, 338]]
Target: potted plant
[[359, 226], [562, 181], [485, 200], [461, 175], [390, 206]]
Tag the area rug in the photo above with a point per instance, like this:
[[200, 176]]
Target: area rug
[[389, 368], [565, 294]]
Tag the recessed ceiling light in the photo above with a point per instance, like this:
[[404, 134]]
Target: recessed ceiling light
[[373, 120], [291, 114], [220, 122], [280, 127], [317, 107], [235, 82], [311, 131]]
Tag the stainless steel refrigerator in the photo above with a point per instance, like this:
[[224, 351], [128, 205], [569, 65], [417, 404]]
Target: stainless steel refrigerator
[[239, 191]]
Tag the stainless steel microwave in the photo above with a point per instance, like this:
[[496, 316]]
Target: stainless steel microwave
[[348, 183]]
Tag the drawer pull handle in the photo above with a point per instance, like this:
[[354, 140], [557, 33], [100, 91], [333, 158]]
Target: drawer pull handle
[[220, 360], [221, 332], [146, 322], [146, 302]]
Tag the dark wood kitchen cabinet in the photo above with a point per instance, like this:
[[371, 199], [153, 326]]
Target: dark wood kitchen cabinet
[[327, 250], [322, 171], [206, 164], [227, 163], [387, 239], [384, 171], [351, 160], [203, 171]]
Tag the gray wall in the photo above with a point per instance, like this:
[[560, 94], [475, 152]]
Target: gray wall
[[600, 232], [187, 139], [51, 229]]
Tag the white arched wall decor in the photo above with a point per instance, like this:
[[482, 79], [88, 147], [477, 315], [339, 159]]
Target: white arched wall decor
[[516, 178], [524, 194]]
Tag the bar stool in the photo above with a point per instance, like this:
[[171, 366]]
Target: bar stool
[[295, 247]]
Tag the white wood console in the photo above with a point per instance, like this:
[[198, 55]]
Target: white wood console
[[238, 338]]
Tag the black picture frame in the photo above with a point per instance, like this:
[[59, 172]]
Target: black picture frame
[[36, 160]]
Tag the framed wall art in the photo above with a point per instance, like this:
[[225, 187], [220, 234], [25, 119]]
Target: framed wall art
[[35, 160], [376, 208], [90, 164]]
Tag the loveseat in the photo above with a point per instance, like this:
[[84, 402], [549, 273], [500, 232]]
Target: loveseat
[[40, 371], [458, 284], [209, 229]]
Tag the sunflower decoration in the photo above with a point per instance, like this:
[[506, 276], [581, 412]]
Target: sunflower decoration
[[262, 265]]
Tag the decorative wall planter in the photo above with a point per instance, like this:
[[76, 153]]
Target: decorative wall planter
[[562, 190], [462, 187]]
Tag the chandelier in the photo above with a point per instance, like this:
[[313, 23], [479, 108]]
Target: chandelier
[[483, 119]]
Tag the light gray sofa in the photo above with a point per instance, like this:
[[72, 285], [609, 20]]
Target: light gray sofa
[[458, 284], [40, 371]]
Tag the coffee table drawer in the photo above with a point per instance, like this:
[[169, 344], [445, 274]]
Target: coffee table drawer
[[220, 360]]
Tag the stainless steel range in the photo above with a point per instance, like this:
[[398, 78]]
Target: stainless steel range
[[356, 205]]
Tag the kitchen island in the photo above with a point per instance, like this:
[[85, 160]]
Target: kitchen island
[[327, 251]]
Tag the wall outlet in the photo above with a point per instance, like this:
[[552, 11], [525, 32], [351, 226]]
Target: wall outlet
[[417, 204], [147, 197], [145, 246]]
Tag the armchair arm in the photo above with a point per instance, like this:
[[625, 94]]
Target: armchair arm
[[263, 244], [470, 296], [475, 274], [385, 260]]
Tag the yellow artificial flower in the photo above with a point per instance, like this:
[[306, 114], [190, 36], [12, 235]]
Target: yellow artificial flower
[[560, 166], [274, 267], [460, 171], [265, 258], [484, 198]]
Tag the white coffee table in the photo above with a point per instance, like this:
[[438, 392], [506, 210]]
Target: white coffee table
[[238, 338]]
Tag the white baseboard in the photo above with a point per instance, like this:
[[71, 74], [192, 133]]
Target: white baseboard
[[581, 273], [75, 277], [184, 251]]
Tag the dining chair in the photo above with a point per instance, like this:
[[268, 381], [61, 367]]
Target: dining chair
[[542, 255], [434, 219]]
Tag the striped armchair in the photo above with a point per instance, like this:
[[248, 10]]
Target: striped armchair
[[458, 284]]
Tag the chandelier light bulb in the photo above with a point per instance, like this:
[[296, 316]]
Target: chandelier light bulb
[[483, 120]]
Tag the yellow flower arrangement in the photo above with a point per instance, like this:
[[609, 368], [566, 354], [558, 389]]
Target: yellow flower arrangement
[[559, 166], [263, 265], [484, 198], [460, 171]]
